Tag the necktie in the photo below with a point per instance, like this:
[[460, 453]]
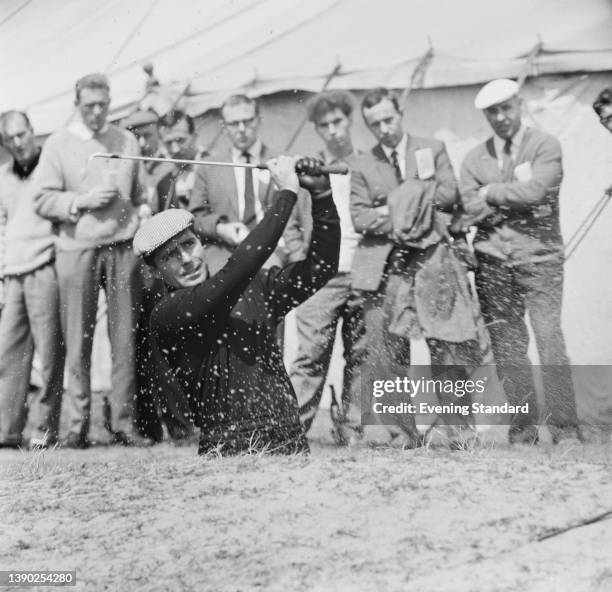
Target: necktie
[[396, 166], [248, 217], [507, 161]]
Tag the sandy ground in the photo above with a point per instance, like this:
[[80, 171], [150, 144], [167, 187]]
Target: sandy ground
[[358, 519]]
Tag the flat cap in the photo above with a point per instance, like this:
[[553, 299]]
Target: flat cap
[[139, 118], [494, 92], [159, 229]]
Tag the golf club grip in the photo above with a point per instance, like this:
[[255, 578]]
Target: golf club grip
[[335, 169], [326, 169]]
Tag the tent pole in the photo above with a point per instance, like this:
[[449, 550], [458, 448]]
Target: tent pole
[[418, 73], [530, 61]]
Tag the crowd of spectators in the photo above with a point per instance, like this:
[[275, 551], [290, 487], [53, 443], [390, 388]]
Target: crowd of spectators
[[67, 222]]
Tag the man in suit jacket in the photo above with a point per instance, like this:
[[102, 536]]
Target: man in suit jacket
[[228, 202], [381, 266], [510, 191], [178, 135]]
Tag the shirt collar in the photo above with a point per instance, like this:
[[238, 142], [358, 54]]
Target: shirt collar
[[400, 149], [516, 140], [254, 151], [80, 130]]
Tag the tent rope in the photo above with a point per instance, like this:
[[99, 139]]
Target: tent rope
[[588, 223]]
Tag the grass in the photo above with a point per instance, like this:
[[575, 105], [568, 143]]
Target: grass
[[350, 519]]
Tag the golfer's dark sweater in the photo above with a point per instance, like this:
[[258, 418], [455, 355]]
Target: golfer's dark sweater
[[220, 337]]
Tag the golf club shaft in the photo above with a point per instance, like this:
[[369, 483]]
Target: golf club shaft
[[338, 169]]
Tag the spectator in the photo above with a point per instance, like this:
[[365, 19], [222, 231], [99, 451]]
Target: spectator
[[399, 195], [30, 318], [177, 132], [143, 124], [227, 203], [331, 114], [94, 203], [603, 107], [510, 191]]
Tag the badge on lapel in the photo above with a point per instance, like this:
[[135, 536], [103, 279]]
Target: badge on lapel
[[523, 172], [426, 168]]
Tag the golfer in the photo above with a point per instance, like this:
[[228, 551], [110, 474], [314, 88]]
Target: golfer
[[218, 333]]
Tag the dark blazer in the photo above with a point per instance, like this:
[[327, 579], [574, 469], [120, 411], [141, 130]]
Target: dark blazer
[[372, 180], [215, 198], [522, 225]]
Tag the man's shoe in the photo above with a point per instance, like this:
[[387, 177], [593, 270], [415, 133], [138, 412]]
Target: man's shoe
[[75, 441], [120, 438], [524, 435], [568, 433], [40, 444]]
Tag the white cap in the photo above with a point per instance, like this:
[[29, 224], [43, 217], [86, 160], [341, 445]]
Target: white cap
[[159, 229], [494, 92]]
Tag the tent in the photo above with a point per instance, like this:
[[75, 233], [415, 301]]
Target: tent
[[282, 50]]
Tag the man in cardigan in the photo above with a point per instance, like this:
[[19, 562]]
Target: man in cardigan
[[30, 318], [95, 205], [218, 332], [510, 191]]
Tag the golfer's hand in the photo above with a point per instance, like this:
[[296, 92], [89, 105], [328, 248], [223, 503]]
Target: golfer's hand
[[311, 177], [232, 233], [96, 198], [282, 170]]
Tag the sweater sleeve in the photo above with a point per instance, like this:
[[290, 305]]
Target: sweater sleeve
[[203, 309], [51, 200], [296, 282], [546, 175], [477, 210]]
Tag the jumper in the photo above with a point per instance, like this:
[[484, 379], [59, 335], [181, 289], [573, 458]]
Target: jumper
[[220, 337], [66, 170], [28, 239]]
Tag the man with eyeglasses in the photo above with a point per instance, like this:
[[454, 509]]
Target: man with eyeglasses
[[94, 204], [228, 202]]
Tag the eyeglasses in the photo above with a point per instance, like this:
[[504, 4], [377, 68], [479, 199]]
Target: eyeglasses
[[245, 122]]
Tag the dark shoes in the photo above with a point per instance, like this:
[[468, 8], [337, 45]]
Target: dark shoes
[[527, 435], [568, 433], [120, 438], [75, 441], [42, 443]]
